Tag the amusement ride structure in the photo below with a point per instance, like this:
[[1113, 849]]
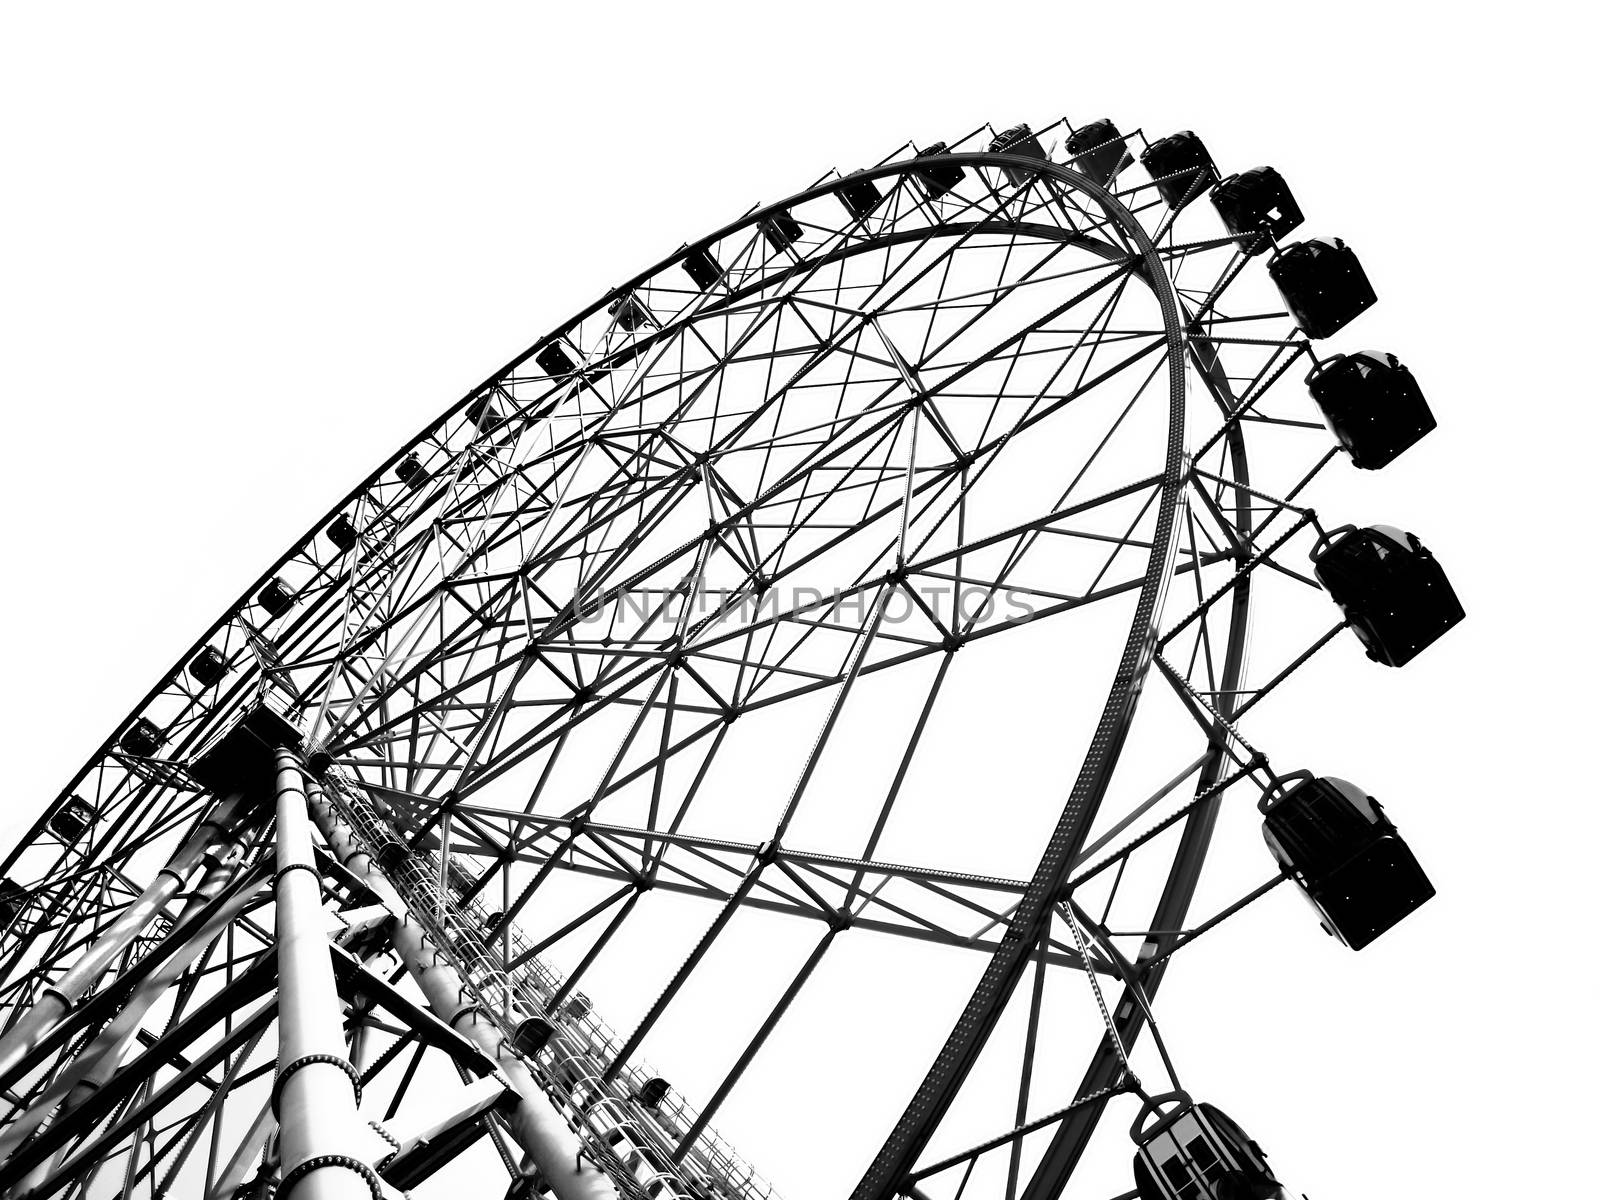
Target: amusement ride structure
[[816, 669]]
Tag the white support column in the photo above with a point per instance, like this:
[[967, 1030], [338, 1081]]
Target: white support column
[[535, 1123], [98, 1061], [316, 1085], [57, 999]]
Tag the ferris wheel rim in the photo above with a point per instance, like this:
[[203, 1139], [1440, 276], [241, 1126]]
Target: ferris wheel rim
[[934, 1095], [506, 463]]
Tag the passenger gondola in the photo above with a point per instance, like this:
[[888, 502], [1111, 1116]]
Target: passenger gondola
[[1345, 855], [1098, 150], [1257, 207], [1195, 1151], [1392, 590], [1372, 404], [1181, 166]]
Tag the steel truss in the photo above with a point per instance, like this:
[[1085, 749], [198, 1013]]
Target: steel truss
[[793, 479]]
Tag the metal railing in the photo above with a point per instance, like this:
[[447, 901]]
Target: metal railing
[[638, 1140]]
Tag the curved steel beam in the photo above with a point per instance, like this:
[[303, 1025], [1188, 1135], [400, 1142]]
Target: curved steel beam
[[892, 1167], [1071, 1137]]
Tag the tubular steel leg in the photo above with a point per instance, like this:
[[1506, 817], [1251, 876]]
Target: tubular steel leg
[[133, 1096], [101, 1058], [538, 1128], [58, 998], [316, 1085]]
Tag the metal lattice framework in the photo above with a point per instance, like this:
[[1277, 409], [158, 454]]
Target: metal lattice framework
[[708, 622]]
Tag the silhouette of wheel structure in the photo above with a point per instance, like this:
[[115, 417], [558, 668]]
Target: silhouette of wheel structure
[[817, 669]]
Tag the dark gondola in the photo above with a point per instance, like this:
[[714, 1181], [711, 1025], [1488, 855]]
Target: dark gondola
[[410, 471], [1098, 150], [1393, 591], [1196, 1152], [71, 820], [342, 533], [1181, 166], [275, 597], [860, 197], [781, 230], [208, 666], [554, 361], [1019, 140], [1322, 284], [1372, 404], [1256, 206], [1346, 856], [142, 739], [629, 313], [702, 268], [936, 179]]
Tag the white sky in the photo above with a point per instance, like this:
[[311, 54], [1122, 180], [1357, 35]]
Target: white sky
[[242, 259]]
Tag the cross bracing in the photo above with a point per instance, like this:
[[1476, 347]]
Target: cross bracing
[[708, 628]]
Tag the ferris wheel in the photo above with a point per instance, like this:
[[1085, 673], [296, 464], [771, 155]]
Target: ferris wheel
[[800, 694]]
